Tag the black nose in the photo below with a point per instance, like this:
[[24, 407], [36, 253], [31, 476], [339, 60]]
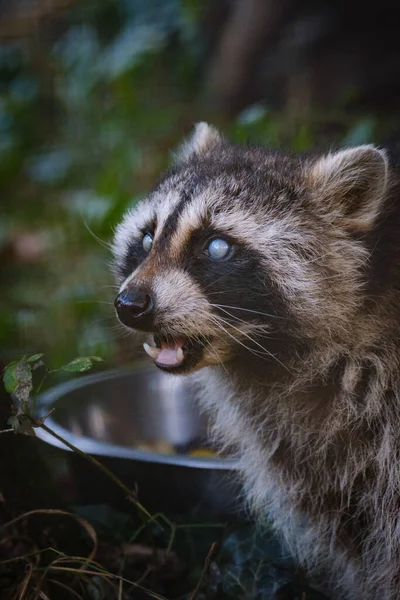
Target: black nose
[[135, 309]]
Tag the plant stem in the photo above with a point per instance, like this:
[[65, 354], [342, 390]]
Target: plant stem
[[205, 571], [100, 466], [33, 406]]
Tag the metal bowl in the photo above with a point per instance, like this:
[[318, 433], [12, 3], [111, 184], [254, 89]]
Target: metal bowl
[[109, 414]]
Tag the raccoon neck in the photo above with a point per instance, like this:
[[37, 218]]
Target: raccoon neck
[[315, 383]]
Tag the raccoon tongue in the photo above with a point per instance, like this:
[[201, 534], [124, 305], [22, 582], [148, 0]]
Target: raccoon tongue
[[166, 355], [170, 356]]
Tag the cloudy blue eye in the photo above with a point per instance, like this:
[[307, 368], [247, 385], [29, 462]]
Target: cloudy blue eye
[[147, 242], [219, 249]]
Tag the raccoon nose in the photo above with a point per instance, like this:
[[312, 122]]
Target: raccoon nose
[[135, 309]]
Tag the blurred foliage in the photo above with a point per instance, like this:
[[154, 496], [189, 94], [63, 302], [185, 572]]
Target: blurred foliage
[[88, 115], [86, 122]]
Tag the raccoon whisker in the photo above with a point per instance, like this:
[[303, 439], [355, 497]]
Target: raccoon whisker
[[106, 245], [253, 326], [221, 293], [113, 286], [199, 338], [256, 327], [106, 318], [215, 355], [255, 352], [242, 332], [218, 319], [237, 290], [93, 302], [233, 317], [264, 352], [122, 335], [118, 332], [257, 312], [201, 334]]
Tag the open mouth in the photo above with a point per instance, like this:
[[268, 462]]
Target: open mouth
[[175, 354]]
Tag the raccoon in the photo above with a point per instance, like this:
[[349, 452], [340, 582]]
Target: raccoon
[[274, 278]]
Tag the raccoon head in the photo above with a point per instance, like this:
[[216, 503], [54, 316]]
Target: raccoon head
[[242, 254]]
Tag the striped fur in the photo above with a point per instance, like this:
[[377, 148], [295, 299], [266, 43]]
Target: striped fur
[[302, 337]]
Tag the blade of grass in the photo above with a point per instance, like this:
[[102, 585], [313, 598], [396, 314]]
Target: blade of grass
[[65, 587], [25, 582], [205, 571], [105, 574], [54, 511], [28, 555]]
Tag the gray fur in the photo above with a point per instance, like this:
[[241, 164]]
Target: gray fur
[[316, 423]]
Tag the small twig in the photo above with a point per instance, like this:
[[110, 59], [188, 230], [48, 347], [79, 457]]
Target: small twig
[[204, 572], [99, 465], [29, 554], [106, 575], [39, 422], [6, 430], [144, 575], [65, 587], [33, 405], [27, 578], [171, 539], [55, 511]]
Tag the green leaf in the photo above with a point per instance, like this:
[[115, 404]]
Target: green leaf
[[34, 357], [96, 358], [23, 373], [83, 363], [17, 380], [14, 423], [10, 378]]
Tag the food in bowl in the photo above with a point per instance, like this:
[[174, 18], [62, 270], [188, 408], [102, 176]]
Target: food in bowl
[[165, 447]]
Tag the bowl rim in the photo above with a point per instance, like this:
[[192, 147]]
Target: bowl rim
[[91, 446]]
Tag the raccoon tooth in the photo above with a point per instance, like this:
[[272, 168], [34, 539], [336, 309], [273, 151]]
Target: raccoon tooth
[[151, 351], [179, 355]]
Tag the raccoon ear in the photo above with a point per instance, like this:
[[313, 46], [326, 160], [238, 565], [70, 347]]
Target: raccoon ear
[[202, 140], [350, 186]]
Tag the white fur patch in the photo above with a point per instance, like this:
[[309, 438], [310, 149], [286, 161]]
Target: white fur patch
[[130, 227], [203, 139], [156, 208]]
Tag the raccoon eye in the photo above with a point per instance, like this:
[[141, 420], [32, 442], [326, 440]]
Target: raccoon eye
[[147, 242], [219, 249]]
